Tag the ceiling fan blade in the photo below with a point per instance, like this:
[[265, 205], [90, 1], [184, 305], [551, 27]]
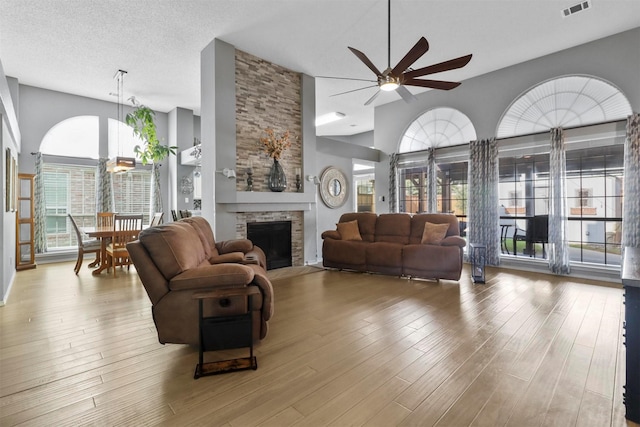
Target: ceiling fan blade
[[452, 64], [412, 56], [406, 95], [375, 95], [433, 84], [366, 60], [354, 90], [346, 78]]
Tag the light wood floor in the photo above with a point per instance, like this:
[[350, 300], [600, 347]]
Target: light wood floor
[[343, 349]]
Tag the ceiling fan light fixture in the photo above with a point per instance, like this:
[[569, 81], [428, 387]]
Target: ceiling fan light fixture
[[388, 83], [389, 86]]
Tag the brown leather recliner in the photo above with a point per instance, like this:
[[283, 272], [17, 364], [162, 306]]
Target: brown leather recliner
[[176, 260]]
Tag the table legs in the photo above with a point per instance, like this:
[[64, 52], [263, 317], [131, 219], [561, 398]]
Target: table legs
[[103, 257]]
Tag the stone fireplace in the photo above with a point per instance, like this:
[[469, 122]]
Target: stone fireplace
[[274, 238], [297, 223]]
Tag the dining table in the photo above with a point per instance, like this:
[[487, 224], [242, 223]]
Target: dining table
[[101, 233]]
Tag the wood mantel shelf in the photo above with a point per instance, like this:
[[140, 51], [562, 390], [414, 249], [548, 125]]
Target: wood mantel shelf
[[263, 201]]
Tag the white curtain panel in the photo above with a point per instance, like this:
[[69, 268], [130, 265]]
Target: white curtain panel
[[40, 230], [393, 186], [483, 198], [432, 190], [558, 247], [631, 210]]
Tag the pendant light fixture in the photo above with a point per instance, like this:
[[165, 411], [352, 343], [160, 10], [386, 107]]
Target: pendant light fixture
[[120, 163]]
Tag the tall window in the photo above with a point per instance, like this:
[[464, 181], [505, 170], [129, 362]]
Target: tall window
[[69, 189], [453, 188], [132, 192], [595, 179], [524, 195], [412, 186], [524, 186]]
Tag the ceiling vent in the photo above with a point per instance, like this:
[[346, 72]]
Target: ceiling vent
[[583, 5]]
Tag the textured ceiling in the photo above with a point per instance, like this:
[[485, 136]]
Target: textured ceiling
[[76, 46]]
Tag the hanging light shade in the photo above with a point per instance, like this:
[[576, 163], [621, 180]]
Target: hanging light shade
[[119, 163]]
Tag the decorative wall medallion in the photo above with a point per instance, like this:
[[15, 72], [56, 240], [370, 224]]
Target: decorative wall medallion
[[334, 187]]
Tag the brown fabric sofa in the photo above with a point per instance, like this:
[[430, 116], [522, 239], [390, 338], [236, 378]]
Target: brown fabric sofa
[[392, 244], [178, 259]]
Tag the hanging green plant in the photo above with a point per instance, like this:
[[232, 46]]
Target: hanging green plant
[[141, 119]]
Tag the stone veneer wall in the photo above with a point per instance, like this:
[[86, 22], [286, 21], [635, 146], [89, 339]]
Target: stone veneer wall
[[267, 95], [297, 234]]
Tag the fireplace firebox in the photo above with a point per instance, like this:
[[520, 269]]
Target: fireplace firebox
[[274, 238]]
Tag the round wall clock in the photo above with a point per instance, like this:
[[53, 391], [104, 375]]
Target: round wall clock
[[334, 187]]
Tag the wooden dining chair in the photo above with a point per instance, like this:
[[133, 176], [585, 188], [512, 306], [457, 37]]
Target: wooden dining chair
[[184, 213], [84, 247], [174, 215], [126, 228], [104, 219], [157, 219]]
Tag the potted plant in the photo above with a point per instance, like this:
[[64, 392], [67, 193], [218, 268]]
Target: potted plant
[[141, 119]]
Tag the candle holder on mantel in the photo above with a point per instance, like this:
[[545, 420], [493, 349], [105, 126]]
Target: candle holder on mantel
[[249, 179], [298, 181]]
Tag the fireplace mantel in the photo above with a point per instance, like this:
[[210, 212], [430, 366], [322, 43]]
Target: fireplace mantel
[[262, 201]]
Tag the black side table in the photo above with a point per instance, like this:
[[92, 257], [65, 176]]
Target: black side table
[[631, 283], [225, 332]]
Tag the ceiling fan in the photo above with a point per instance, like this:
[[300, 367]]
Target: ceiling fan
[[402, 75]]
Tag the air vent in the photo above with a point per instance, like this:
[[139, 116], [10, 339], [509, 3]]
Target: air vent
[[584, 5]]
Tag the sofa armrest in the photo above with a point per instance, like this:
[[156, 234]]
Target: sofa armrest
[[212, 276], [454, 241], [331, 234], [228, 257], [235, 245], [266, 288], [154, 282]]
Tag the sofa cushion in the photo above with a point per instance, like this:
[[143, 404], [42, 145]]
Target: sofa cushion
[[344, 254], [349, 230], [393, 228], [384, 257], [432, 262], [366, 223], [418, 221], [174, 247], [434, 233]]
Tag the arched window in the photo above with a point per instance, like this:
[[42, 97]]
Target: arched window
[[568, 101], [75, 137], [437, 128], [594, 160], [70, 184]]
